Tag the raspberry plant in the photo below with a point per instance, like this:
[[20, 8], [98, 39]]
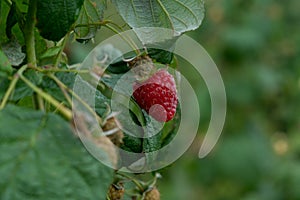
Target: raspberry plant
[[41, 154]]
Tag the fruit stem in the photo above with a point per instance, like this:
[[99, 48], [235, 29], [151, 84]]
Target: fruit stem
[[126, 39], [12, 86], [139, 185]]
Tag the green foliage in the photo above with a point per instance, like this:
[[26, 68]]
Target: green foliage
[[257, 156], [51, 87], [90, 13], [180, 16], [42, 159], [41, 154], [5, 66], [55, 19]]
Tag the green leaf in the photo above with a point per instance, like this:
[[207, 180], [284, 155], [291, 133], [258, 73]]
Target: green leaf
[[40, 45], [152, 141], [5, 66], [50, 86], [161, 56], [42, 159], [22, 5], [101, 103], [158, 138], [55, 18], [178, 15], [170, 129], [4, 10], [4, 84], [50, 52], [11, 19], [23, 90], [91, 13]]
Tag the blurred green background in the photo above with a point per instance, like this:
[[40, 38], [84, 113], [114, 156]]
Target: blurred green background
[[256, 45]]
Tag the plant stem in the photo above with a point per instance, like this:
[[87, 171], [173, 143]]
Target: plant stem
[[59, 70], [127, 40], [65, 111], [30, 43], [29, 33], [139, 185], [12, 86], [93, 24], [40, 102], [64, 87]]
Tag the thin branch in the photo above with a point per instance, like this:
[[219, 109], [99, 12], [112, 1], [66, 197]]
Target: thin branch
[[65, 111], [12, 86], [63, 86], [127, 40], [59, 70]]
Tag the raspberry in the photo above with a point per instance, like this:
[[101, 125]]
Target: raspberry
[[116, 192], [152, 195], [157, 95]]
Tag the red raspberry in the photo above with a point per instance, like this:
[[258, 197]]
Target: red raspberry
[[157, 95]]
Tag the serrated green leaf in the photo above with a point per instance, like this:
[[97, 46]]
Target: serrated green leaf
[[5, 66], [42, 159], [90, 14], [178, 15], [55, 18]]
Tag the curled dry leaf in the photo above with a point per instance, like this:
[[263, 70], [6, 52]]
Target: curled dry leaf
[[101, 141], [116, 191], [112, 129]]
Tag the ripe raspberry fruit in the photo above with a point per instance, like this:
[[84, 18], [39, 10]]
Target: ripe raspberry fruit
[[152, 195], [116, 192], [157, 95]]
